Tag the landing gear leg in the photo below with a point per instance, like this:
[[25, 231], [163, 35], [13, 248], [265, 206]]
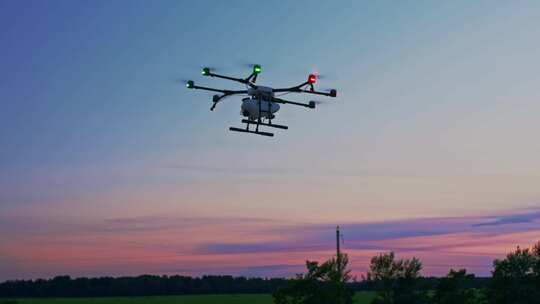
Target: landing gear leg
[[258, 118], [269, 113]]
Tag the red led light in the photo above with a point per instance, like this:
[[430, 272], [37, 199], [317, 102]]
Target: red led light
[[312, 79]]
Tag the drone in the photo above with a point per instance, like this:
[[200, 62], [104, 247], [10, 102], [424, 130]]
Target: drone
[[261, 103]]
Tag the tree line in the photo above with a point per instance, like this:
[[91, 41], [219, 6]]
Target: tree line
[[144, 285], [147, 285], [515, 280]]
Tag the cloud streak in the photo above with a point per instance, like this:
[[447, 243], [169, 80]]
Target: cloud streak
[[251, 246], [513, 219]]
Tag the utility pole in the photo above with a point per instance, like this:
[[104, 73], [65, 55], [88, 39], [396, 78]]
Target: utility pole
[[338, 253]]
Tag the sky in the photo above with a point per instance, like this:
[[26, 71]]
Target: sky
[[110, 166]]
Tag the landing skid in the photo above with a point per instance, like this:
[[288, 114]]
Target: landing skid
[[257, 123], [249, 131]]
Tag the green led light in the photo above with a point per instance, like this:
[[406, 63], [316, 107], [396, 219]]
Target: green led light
[[205, 71], [257, 69], [190, 84]]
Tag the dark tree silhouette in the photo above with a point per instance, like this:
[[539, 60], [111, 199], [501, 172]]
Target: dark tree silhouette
[[322, 284], [396, 281], [456, 287], [516, 279], [145, 285]]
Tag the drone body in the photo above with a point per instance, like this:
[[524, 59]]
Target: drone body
[[250, 108], [260, 106]]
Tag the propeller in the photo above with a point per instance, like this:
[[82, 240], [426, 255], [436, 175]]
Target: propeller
[[246, 64], [183, 81], [213, 68], [320, 76], [252, 66]]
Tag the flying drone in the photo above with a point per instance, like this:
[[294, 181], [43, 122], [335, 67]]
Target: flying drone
[[261, 103]]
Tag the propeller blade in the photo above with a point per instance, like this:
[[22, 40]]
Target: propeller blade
[[246, 64], [328, 90], [320, 76], [250, 65], [213, 69], [321, 102], [180, 81]]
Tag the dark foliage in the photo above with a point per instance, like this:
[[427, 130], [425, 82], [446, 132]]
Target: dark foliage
[[322, 284], [145, 285], [396, 281], [516, 279], [95, 287], [457, 287], [423, 283]]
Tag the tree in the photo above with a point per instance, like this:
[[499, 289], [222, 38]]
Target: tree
[[322, 284], [536, 266], [456, 287], [516, 279], [396, 281]]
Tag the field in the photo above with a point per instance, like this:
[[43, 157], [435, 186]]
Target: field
[[360, 298]]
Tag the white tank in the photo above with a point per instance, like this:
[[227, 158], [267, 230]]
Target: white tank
[[250, 108]]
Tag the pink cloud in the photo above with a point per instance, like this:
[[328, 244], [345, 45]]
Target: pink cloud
[[32, 247]]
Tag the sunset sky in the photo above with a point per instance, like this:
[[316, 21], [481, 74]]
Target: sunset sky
[[110, 166]]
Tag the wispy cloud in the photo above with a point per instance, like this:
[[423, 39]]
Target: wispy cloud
[[288, 171], [255, 246], [371, 236], [513, 219]]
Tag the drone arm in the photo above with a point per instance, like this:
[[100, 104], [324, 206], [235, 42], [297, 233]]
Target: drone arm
[[240, 80], [217, 98], [208, 89], [226, 92], [332, 92], [295, 89], [299, 89], [310, 105]]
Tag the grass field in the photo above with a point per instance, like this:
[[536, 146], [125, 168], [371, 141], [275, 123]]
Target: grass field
[[360, 298]]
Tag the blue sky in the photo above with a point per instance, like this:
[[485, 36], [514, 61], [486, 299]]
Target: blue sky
[[437, 114]]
